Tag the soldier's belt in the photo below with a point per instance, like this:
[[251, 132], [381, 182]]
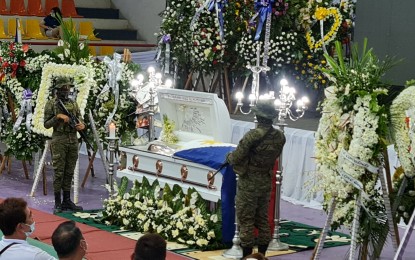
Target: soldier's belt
[[255, 168], [64, 134]]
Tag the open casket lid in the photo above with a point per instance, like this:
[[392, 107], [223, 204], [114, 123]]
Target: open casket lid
[[197, 115]]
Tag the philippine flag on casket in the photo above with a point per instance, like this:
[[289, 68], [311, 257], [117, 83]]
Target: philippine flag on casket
[[213, 154]]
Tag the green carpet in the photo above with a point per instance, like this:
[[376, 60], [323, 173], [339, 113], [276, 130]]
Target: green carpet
[[45, 247], [297, 235]]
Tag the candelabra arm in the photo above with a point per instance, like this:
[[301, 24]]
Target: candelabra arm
[[239, 106], [296, 117]]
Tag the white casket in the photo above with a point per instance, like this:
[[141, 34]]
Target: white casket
[[198, 116]]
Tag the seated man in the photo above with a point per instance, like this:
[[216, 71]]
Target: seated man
[[16, 223], [68, 241], [51, 24], [150, 246]]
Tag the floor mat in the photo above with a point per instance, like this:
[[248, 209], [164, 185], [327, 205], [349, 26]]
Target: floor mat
[[298, 236]]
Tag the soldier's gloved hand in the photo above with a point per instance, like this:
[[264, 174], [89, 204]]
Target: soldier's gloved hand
[[65, 118], [80, 127]]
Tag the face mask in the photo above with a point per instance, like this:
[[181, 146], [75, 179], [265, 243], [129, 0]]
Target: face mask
[[71, 94], [52, 14], [63, 95], [32, 229]]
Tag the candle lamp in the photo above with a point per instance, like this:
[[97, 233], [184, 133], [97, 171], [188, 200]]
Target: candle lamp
[[283, 105], [111, 147], [145, 93], [112, 130]]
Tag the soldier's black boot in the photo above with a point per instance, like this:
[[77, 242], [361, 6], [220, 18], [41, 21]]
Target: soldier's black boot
[[58, 203], [246, 251], [67, 204], [263, 249]]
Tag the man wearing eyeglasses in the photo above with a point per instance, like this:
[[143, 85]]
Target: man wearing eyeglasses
[[17, 224]]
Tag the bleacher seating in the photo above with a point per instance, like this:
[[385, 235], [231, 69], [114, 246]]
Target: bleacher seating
[[3, 34], [34, 8], [49, 4], [99, 23], [68, 9], [12, 23], [87, 29], [92, 50], [106, 50], [17, 7], [33, 30], [3, 8]]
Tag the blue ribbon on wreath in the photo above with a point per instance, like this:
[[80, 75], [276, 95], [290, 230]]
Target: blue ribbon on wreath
[[211, 5], [165, 39], [218, 5], [262, 8], [25, 108]]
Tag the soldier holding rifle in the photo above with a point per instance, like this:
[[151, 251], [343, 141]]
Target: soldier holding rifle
[[253, 160], [64, 145]]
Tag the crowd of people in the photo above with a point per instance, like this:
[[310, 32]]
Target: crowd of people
[[17, 223]]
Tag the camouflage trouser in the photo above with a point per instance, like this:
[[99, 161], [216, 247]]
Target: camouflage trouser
[[252, 211], [64, 157]]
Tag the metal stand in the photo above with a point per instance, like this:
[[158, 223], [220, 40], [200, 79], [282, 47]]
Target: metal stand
[[235, 252], [111, 146], [276, 244], [405, 239], [324, 232], [355, 228], [151, 113], [40, 168], [98, 142]]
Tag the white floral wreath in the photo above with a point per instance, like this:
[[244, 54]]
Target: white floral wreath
[[83, 80], [404, 141]]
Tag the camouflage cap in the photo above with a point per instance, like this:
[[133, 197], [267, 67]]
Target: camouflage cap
[[62, 81], [265, 109]]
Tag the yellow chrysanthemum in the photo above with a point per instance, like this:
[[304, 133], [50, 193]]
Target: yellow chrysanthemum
[[321, 13]]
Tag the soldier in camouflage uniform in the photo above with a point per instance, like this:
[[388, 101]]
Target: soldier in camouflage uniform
[[253, 161], [64, 145]]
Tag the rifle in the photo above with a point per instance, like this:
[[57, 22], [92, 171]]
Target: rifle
[[73, 121], [220, 168]]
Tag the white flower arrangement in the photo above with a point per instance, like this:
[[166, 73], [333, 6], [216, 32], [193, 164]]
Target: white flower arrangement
[[176, 23], [404, 140], [281, 50], [352, 120], [34, 64], [15, 87], [174, 215], [208, 49], [83, 79]]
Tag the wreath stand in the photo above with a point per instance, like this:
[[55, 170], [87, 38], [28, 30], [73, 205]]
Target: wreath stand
[[219, 78], [40, 171], [406, 237], [393, 230], [7, 159], [100, 150]]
